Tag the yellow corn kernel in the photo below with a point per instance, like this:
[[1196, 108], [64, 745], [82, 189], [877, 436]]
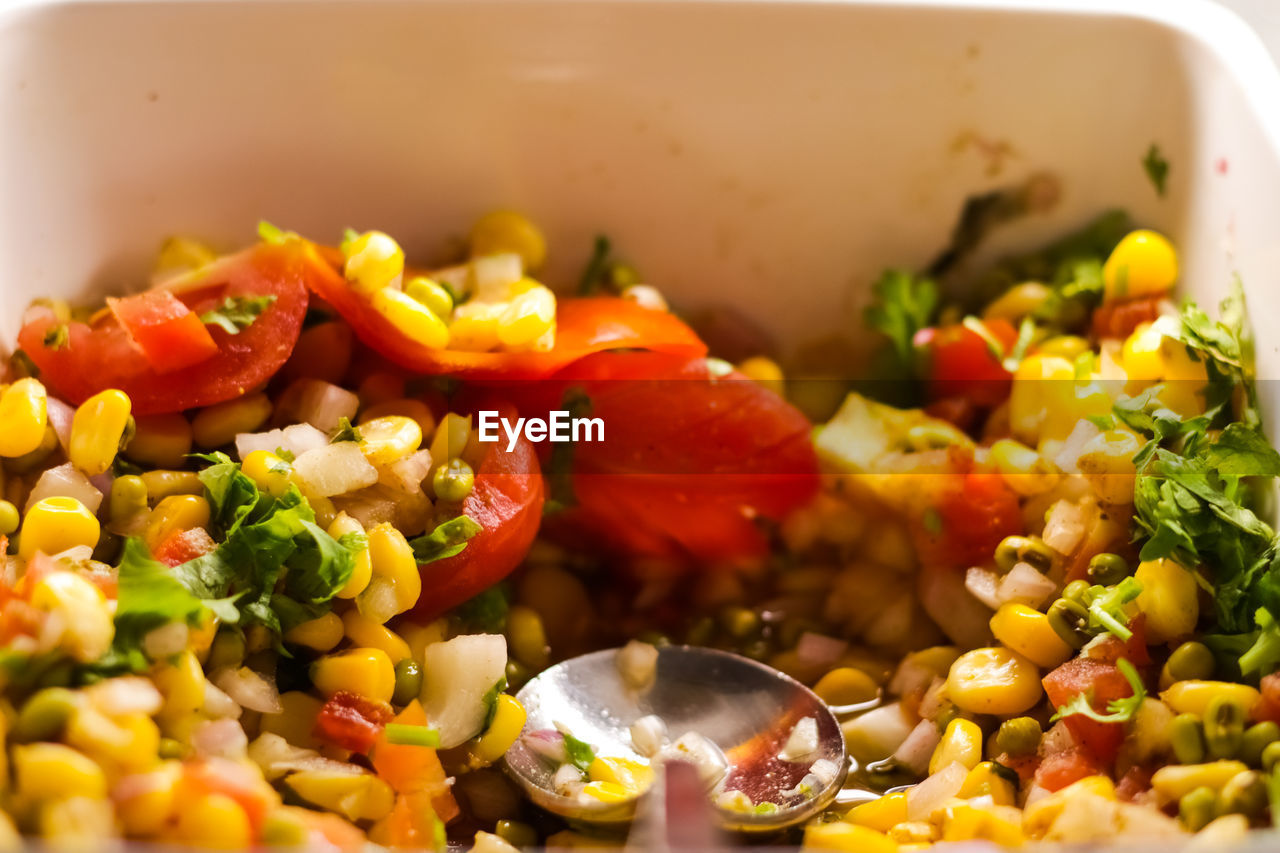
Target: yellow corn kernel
[[82, 610], [1169, 598], [363, 631], [1017, 302], [128, 742], [1023, 469], [994, 681], [508, 721], [214, 820], [160, 440], [507, 231], [962, 742], [764, 371], [633, 775], [1193, 697], [343, 525], [387, 439], [403, 407], [162, 484], [1038, 381], [1172, 781], [97, 429], [527, 317], [847, 837], [607, 792], [321, 634], [151, 801], [268, 472], [175, 514], [1027, 631], [983, 780], [393, 565], [846, 685], [451, 436], [367, 672], [49, 770], [880, 814], [24, 414], [1153, 353], [296, 720], [217, 425], [55, 524], [420, 636], [1038, 817], [527, 637], [354, 795], [75, 823], [411, 318], [1106, 461], [1001, 826], [372, 261], [1069, 347], [474, 327], [182, 684], [1144, 263]]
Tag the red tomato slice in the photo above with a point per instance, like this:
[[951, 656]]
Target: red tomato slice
[[1058, 771], [1102, 683], [104, 356], [350, 721], [169, 333], [963, 365], [506, 502], [975, 512], [184, 545], [690, 464], [583, 327]]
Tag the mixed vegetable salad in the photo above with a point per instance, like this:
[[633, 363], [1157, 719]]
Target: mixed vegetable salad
[[265, 584]]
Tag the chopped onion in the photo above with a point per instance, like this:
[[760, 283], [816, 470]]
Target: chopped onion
[[166, 641], [825, 770], [457, 675], [918, 748], [219, 704], [924, 799], [546, 743], [637, 663], [75, 554], [878, 733], [219, 739], [60, 417], [277, 757], [649, 735], [296, 439], [407, 473], [984, 585], [963, 618], [494, 274], [1065, 526], [321, 404], [334, 469], [911, 677], [127, 694], [1024, 585], [702, 753], [65, 481], [802, 742], [249, 689], [1085, 431], [819, 650], [567, 780]]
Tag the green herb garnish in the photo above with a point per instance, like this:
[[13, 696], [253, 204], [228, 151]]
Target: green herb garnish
[[237, 312], [1157, 168], [406, 735], [1118, 710]]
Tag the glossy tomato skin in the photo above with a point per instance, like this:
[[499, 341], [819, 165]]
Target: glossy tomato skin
[[169, 333], [103, 356], [350, 721], [1102, 683], [962, 365], [506, 502], [692, 466], [974, 512]]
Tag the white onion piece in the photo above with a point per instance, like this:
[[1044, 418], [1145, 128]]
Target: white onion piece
[[323, 404], [802, 742], [297, 439], [219, 704], [984, 585], [649, 735], [911, 677], [166, 641], [926, 797], [65, 481], [102, 482], [819, 650], [1084, 432], [128, 694], [493, 275], [277, 757], [918, 748], [1024, 585], [457, 674], [249, 689], [61, 415], [825, 770], [75, 554], [963, 618], [567, 780], [407, 474], [637, 663], [334, 469], [878, 733], [547, 743], [219, 739], [702, 753], [1065, 526]]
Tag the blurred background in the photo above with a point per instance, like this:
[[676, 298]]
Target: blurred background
[[1263, 16]]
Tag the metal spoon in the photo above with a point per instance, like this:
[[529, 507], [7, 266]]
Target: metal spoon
[[745, 708]]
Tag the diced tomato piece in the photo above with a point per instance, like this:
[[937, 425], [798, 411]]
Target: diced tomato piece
[[1268, 707], [170, 334], [1058, 771], [1111, 649], [1101, 683], [963, 365], [184, 545], [241, 782], [351, 721], [974, 513], [1120, 319]]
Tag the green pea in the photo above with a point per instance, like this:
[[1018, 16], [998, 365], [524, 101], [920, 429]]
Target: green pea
[[739, 622], [1198, 808], [453, 481], [1077, 591], [1190, 661], [282, 829], [1271, 757], [128, 497], [45, 715], [170, 748], [8, 518], [516, 833], [408, 682], [1223, 728], [1108, 569], [1018, 736], [1025, 549], [1187, 737], [227, 649], [1069, 620], [1245, 794], [1257, 738]]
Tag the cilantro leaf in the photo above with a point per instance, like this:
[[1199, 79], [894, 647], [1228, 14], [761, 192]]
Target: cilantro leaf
[[1156, 167], [1106, 608], [273, 234], [486, 612], [596, 271], [237, 312], [903, 305], [490, 701], [580, 753], [448, 539], [1118, 710], [346, 432], [1263, 656], [57, 337]]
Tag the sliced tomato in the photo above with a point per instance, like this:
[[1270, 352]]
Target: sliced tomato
[[350, 721], [583, 327], [963, 365], [1111, 648], [506, 501], [1101, 683], [184, 545], [170, 334], [1119, 319], [104, 355], [1060, 770], [974, 512], [691, 464]]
